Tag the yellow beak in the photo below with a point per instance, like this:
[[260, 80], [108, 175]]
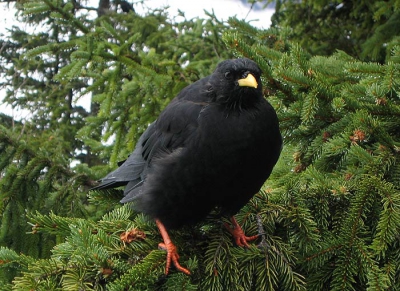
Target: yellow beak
[[249, 81]]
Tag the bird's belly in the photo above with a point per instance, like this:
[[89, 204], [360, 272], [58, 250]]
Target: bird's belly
[[185, 191], [222, 168]]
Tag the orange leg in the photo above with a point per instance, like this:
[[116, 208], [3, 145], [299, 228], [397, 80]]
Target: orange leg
[[172, 254], [238, 234]]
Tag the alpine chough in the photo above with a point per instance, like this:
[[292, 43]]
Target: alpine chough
[[213, 146]]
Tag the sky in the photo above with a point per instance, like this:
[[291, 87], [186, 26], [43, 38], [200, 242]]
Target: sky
[[223, 9]]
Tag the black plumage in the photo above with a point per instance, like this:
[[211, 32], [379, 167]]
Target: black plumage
[[213, 146], [126, 6]]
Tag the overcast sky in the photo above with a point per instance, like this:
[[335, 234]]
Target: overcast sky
[[223, 9]]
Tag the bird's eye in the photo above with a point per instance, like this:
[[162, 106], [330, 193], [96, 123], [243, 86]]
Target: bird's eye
[[228, 75]]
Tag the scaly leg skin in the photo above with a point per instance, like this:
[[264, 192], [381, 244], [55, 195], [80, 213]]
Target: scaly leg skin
[[238, 234], [172, 254]]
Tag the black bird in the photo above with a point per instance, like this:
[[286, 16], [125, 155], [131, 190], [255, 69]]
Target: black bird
[[125, 6], [213, 146]]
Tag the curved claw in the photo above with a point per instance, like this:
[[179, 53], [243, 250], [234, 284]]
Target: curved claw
[[172, 253], [238, 234]]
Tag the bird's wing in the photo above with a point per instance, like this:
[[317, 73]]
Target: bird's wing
[[171, 131], [178, 122], [132, 169], [176, 125]]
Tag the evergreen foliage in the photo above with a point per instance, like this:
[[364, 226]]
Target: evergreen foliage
[[367, 30], [328, 218], [338, 180], [80, 55]]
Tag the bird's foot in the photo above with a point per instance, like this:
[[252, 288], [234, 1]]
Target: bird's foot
[[172, 253], [238, 234], [172, 256]]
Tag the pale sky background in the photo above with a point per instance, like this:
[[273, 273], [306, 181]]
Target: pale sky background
[[223, 9]]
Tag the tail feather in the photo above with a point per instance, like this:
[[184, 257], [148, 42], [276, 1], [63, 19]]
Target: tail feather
[[131, 172]]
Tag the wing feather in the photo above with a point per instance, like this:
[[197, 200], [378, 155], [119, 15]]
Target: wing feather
[[172, 130]]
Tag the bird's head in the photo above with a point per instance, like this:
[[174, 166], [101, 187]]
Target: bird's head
[[237, 83]]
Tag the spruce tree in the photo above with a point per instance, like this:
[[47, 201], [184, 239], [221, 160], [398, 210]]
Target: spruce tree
[[49, 162], [337, 183], [367, 30], [328, 218]]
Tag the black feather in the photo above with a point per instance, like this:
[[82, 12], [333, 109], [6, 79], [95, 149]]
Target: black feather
[[213, 146], [126, 6]]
